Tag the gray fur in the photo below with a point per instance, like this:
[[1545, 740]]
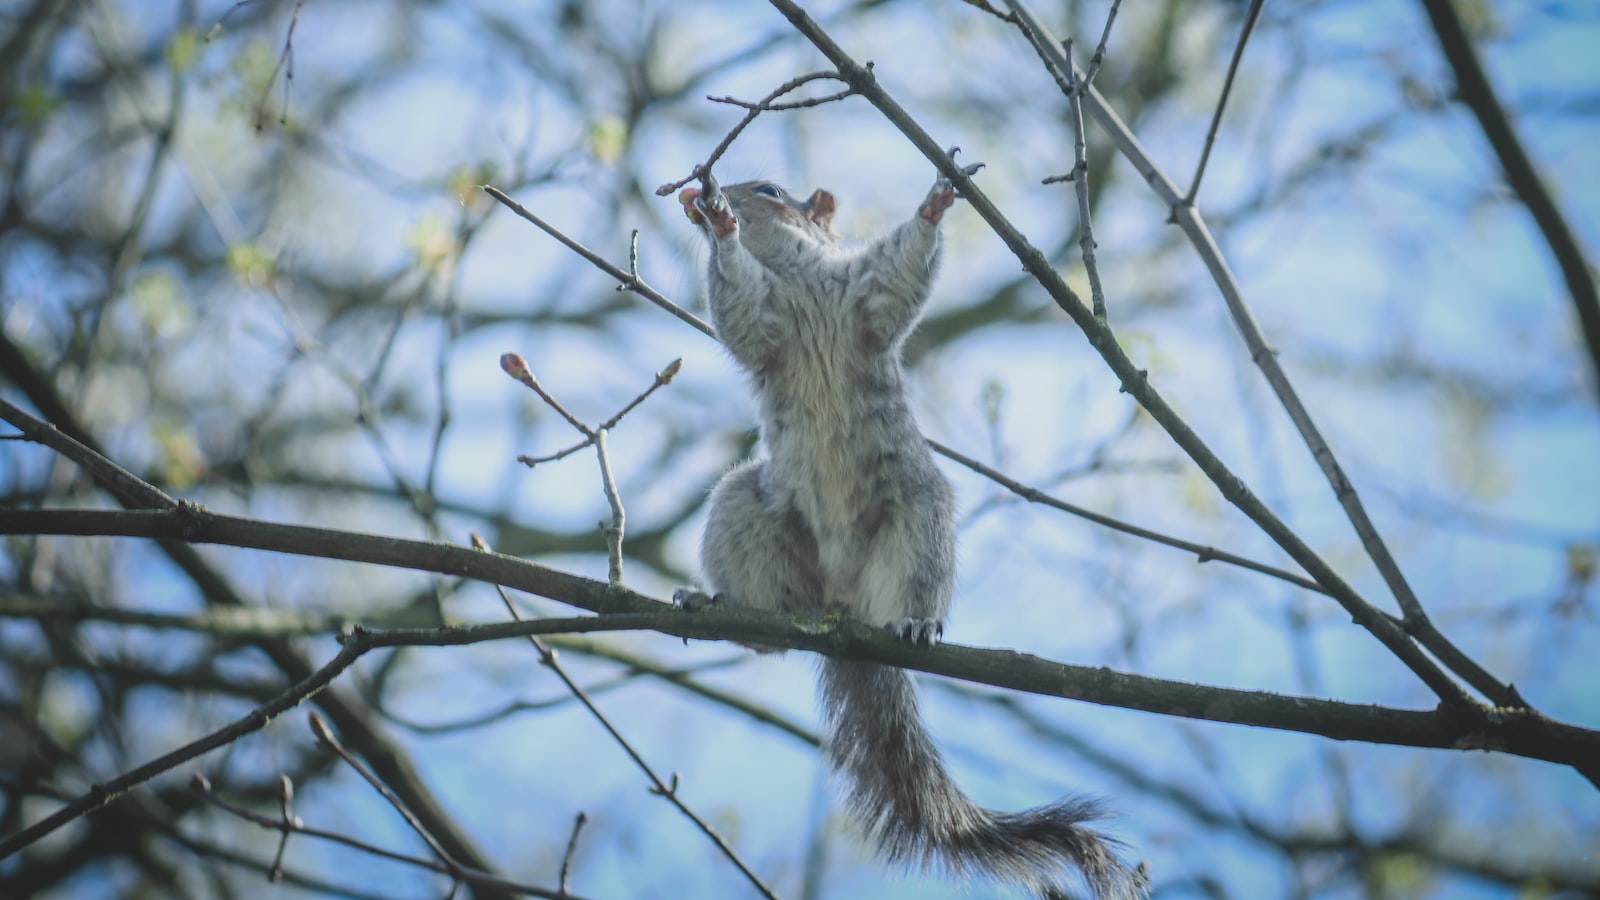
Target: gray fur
[[847, 513]]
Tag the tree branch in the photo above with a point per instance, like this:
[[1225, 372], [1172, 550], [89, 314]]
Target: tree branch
[[1132, 377], [1188, 218], [1516, 731], [390, 761], [1473, 89]]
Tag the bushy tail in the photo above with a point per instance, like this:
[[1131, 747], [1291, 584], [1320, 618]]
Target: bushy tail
[[899, 789]]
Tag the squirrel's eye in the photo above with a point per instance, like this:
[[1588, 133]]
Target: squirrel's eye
[[771, 190]]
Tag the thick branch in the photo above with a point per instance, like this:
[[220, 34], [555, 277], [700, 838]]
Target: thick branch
[[1519, 732]]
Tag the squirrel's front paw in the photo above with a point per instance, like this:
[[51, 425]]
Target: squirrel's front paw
[[710, 205], [917, 631], [943, 194], [691, 600]]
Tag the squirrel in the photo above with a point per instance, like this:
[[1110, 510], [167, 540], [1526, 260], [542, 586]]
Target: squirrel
[[848, 514]]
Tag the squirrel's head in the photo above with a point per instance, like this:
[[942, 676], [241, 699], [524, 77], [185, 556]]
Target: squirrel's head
[[770, 219]]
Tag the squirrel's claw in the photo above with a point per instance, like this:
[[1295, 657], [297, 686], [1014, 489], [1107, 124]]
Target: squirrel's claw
[[691, 600], [917, 631], [944, 192], [968, 171], [708, 205]]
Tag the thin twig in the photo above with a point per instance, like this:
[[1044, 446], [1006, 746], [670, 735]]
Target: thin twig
[[292, 825], [1100, 48], [320, 728], [1250, 18], [549, 658], [572, 849], [633, 283], [286, 805], [1080, 185], [663, 378], [755, 109], [1202, 552], [285, 64], [984, 5], [514, 365], [780, 107], [619, 518], [531, 461]]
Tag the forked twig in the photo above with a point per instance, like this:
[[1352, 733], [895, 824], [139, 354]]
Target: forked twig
[[514, 365], [755, 109]]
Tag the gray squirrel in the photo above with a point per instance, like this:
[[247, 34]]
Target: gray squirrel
[[847, 513]]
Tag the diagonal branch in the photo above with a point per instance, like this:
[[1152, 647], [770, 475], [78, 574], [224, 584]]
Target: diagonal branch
[[1473, 89], [1250, 18], [1187, 216], [1132, 377]]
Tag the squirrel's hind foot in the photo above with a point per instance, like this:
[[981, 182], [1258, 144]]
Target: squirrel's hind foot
[[692, 600], [917, 631]]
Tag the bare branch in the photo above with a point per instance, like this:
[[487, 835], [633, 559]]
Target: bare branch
[[1250, 18], [1132, 377], [1475, 90], [290, 824], [619, 518], [389, 759], [1188, 218], [1202, 552], [1522, 732], [632, 282], [658, 786], [1100, 48], [101, 794], [1080, 185], [514, 365], [572, 847], [755, 109]]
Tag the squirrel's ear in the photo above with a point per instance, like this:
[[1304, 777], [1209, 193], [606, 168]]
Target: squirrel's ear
[[820, 207]]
